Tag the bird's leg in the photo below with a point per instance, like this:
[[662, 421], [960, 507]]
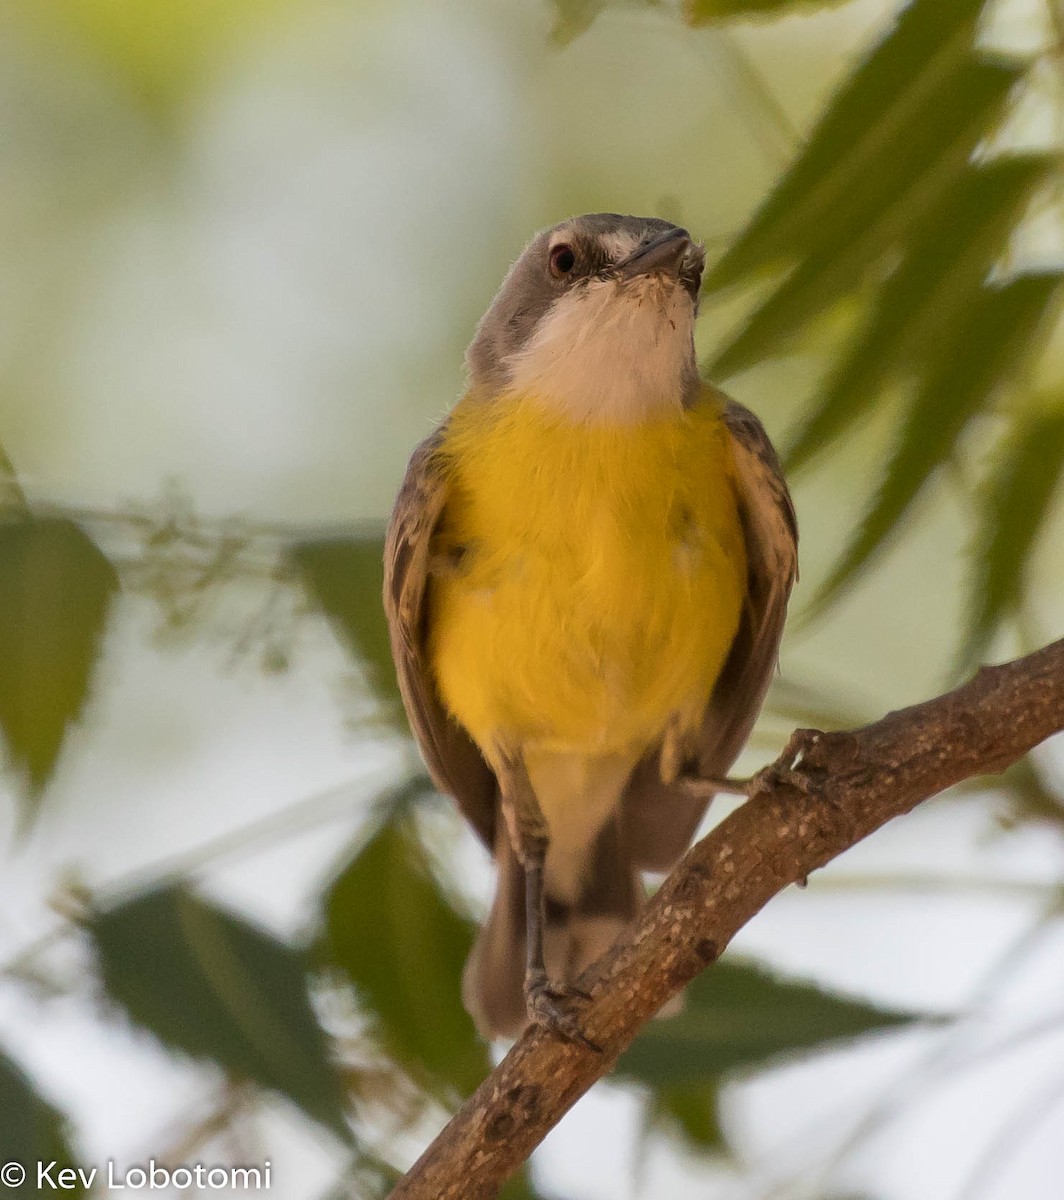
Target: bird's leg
[[710, 785], [678, 764], [549, 1005], [785, 767]]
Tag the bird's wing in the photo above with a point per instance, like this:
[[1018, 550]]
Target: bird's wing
[[662, 818], [454, 762]]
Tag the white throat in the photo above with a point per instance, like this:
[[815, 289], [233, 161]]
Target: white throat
[[611, 351]]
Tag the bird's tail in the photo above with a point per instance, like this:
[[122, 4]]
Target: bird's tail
[[575, 935]]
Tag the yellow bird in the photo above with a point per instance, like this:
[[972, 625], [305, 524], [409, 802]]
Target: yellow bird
[[587, 571]]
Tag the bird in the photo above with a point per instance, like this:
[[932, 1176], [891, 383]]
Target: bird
[[586, 577]]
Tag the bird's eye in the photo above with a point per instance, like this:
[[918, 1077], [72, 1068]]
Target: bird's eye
[[562, 260]]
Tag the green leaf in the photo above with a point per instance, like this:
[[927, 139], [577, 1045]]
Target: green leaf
[[1016, 500], [931, 293], [693, 1109], [394, 934], [211, 985], [345, 576], [574, 17], [740, 1016], [370, 1178], [519, 1187], [1030, 799], [34, 1132], [56, 590], [12, 497], [892, 203], [881, 131], [705, 12], [1002, 327]]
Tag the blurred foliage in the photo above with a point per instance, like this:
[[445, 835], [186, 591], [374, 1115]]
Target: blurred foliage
[[574, 17], [996, 329], [896, 132], [56, 589], [693, 1111], [394, 933], [33, 1131], [897, 206], [702, 12], [345, 575], [737, 1017], [210, 985], [890, 250], [1030, 799], [1017, 498]]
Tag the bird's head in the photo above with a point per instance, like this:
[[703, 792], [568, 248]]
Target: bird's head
[[595, 318]]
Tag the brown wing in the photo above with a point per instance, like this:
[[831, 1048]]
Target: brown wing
[[662, 819], [454, 762]]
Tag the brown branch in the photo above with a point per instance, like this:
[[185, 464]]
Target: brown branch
[[826, 792]]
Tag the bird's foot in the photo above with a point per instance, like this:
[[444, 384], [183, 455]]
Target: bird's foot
[[557, 1009], [784, 770]]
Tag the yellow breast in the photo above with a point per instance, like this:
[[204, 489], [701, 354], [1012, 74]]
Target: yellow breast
[[591, 578]]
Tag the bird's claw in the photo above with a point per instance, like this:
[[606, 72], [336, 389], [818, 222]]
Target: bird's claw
[[557, 1009]]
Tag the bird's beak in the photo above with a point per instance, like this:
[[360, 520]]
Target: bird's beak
[[665, 253]]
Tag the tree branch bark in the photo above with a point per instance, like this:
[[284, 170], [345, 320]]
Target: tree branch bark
[[826, 792]]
